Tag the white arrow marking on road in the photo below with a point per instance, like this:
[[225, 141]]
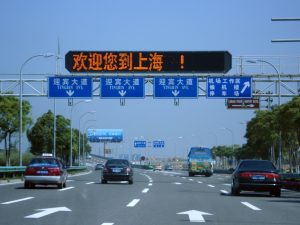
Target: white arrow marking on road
[[122, 93], [246, 85], [19, 200], [175, 93], [48, 211], [70, 92], [196, 216]]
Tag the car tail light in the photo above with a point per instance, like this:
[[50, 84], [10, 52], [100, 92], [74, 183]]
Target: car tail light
[[272, 176], [245, 175], [54, 172], [30, 171]]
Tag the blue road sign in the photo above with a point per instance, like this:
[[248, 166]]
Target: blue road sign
[[105, 135], [122, 87], [229, 87], [175, 87], [70, 87], [140, 144], [158, 144]]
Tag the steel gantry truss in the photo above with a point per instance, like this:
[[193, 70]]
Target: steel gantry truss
[[283, 79]]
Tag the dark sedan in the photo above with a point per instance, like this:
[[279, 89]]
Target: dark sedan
[[117, 170], [256, 175]]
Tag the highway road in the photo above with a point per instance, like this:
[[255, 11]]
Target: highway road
[[155, 198]]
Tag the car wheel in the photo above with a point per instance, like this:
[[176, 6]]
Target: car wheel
[[60, 185], [65, 184], [103, 181], [130, 181], [26, 185], [235, 190], [276, 193], [191, 174]]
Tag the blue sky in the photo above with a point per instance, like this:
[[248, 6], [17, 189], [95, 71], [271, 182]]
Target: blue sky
[[241, 27]]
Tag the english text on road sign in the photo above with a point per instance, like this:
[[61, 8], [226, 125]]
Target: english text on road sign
[[243, 103], [70, 87], [229, 87], [148, 61], [140, 144], [175, 87], [122, 87]]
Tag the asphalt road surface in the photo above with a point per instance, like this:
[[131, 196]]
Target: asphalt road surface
[[155, 198]]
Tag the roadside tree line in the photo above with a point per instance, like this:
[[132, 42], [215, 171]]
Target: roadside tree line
[[268, 132], [39, 134]]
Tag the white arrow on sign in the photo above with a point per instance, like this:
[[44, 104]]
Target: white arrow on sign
[[246, 85], [175, 93], [48, 211], [70, 92], [195, 216], [122, 93]]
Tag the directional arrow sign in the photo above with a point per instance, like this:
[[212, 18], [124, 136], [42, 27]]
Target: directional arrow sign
[[175, 87], [70, 87], [122, 87], [195, 216], [48, 211], [229, 87]]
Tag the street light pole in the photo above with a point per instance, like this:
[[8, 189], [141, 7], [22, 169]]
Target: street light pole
[[71, 139], [279, 103], [47, 55], [90, 112]]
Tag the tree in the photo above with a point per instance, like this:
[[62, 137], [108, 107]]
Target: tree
[[10, 120]]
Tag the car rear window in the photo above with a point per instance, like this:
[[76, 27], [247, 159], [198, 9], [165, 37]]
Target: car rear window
[[257, 165], [118, 162], [45, 161]]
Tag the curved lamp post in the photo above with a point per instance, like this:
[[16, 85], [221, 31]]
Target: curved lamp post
[[47, 55]]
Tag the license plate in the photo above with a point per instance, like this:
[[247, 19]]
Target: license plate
[[42, 172], [116, 170], [258, 177]]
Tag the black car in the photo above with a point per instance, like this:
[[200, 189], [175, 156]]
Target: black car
[[117, 170], [256, 175]]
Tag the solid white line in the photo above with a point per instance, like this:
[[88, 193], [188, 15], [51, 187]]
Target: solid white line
[[209, 185], [133, 203], [224, 192], [145, 190], [18, 200], [65, 189], [90, 183], [251, 206]]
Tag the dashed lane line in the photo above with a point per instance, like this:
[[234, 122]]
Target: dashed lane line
[[224, 192], [133, 203], [209, 185], [145, 190], [251, 206], [65, 189], [15, 201], [90, 182]]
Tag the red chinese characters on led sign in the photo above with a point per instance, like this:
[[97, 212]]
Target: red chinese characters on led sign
[[99, 61]]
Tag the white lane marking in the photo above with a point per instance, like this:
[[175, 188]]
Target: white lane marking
[[65, 189], [133, 203], [145, 190], [224, 192], [251, 206], [177, 183], [209, 185], [183, 177], [12, 183], [70, 180], [150, 184], [107, 224], [90, 182], [48, 211], [18, 200], [200, 182], [191, 180], [227, 184]]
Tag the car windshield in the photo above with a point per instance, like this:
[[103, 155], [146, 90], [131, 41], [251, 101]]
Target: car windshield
[[117, 162], [257, 165], [48, 161]]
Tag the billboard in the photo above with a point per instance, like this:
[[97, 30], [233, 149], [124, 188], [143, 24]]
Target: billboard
[[105, 135]]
